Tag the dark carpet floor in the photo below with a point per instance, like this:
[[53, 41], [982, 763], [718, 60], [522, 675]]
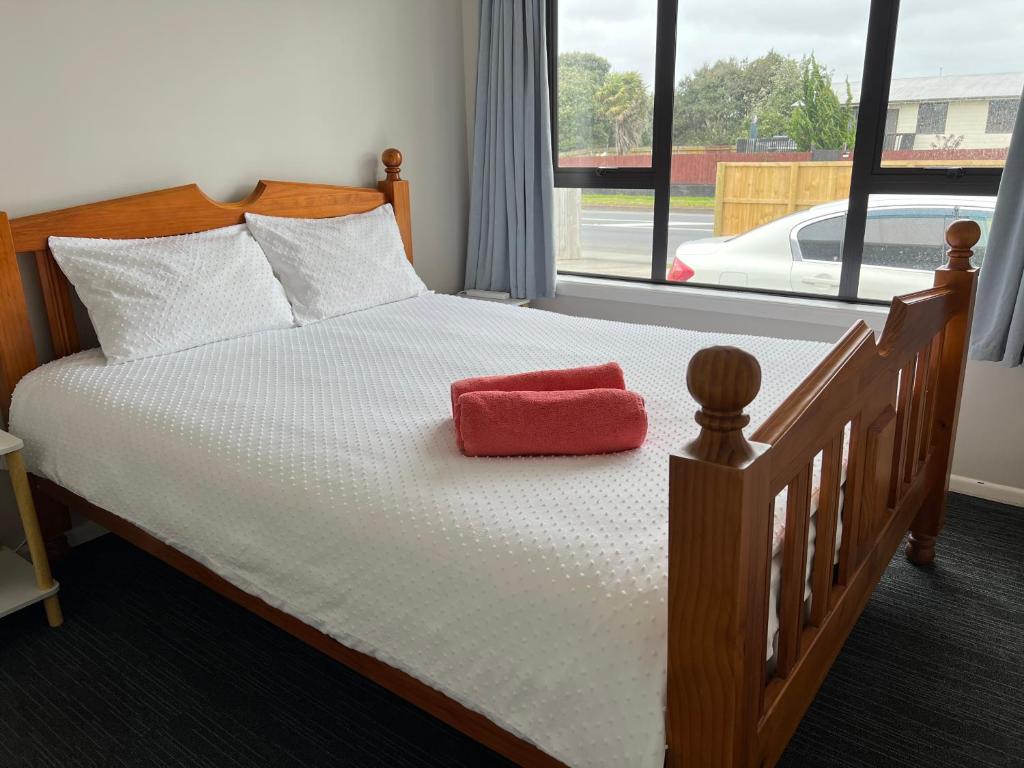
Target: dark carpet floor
[[151, 669]]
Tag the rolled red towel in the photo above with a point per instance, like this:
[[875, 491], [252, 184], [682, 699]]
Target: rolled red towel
[[607, 376], [566, 422]]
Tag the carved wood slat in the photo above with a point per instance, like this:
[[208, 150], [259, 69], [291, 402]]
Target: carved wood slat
[[851, 505], [825, 537], [768, 548], [917, 407], [794, 570], [933, 393], [59, 310], [878, 462], [903, 399]]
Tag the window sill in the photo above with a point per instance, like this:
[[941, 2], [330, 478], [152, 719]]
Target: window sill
[[739, 303]]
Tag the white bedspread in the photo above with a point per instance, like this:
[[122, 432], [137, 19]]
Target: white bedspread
[[316, 467]]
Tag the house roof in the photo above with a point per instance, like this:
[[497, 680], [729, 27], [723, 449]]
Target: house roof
[[946, 88]]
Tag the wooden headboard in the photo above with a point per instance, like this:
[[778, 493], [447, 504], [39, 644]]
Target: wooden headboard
[[175, 211]]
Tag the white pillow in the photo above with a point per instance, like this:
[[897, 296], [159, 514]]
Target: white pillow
[[164, 294], [334, 266]]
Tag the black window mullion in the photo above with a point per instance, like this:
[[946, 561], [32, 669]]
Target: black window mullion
[[605, 178], [936, 181], [874, 101], [661, 138]]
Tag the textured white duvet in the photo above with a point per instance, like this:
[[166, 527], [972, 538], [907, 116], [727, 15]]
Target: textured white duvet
[[316, 467]]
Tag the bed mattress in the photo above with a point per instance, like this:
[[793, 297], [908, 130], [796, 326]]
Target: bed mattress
[[316, 468]]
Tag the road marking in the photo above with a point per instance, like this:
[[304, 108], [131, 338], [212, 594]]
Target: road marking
[[703, 222], [611, 223]]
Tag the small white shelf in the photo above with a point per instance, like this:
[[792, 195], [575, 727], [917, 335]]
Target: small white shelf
[[9, 443], [18, 583]]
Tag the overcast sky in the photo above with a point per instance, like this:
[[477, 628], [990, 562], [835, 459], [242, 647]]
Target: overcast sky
[[954, 36]]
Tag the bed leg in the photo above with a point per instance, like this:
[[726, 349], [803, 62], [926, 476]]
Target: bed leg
[[54, 522], [925, 529], [920, 549]]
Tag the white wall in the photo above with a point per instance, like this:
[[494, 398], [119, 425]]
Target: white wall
[[125, 96], [990, 440]]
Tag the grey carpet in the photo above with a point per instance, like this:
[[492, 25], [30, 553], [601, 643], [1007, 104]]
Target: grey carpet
[[151, 669]]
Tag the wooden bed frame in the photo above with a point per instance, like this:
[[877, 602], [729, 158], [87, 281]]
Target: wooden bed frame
[[895, 403]]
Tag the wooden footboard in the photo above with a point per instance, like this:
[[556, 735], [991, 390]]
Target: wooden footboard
[[886, 414]]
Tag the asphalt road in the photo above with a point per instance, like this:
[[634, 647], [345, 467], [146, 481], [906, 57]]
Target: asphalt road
[[617, 241], [625, 231]]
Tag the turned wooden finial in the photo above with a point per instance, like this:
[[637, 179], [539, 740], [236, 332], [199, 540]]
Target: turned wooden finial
[[961, 237], [724, 381], [392, 159]]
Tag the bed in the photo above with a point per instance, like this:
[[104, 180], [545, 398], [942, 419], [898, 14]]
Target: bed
[[677, 604]]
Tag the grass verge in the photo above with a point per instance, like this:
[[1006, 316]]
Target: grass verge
[[644, 201]]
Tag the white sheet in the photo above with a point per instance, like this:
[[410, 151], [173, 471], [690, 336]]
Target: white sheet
[[316, 467]]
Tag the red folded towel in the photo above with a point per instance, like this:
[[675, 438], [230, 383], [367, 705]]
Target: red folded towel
[[607, 376], [567, 422]]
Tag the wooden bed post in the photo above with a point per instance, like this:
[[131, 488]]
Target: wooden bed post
[[961, 277], [17, 349], [718, 555], [397, 191]]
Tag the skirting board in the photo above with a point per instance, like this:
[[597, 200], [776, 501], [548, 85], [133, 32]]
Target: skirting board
[[86, 530], [990, 491]]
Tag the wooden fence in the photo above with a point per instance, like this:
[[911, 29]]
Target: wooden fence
[[748, 195]]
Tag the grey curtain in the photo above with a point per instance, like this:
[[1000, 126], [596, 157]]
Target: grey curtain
[[999, 312], [511, 237]]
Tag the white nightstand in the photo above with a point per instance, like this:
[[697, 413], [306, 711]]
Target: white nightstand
[[496, 299], [22, 584]]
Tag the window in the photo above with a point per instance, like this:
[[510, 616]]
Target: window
[[931, 117], [1002, 114], [822, 240], [716, 148]]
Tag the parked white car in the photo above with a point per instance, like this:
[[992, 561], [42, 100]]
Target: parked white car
[[802, 253]]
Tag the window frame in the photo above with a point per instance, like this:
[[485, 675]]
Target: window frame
[[868, 176]]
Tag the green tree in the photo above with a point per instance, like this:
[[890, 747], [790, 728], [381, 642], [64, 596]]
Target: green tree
[[581, 123], [625, 102], [710, 106], [820, 120], [716, 104], [774, 84]]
